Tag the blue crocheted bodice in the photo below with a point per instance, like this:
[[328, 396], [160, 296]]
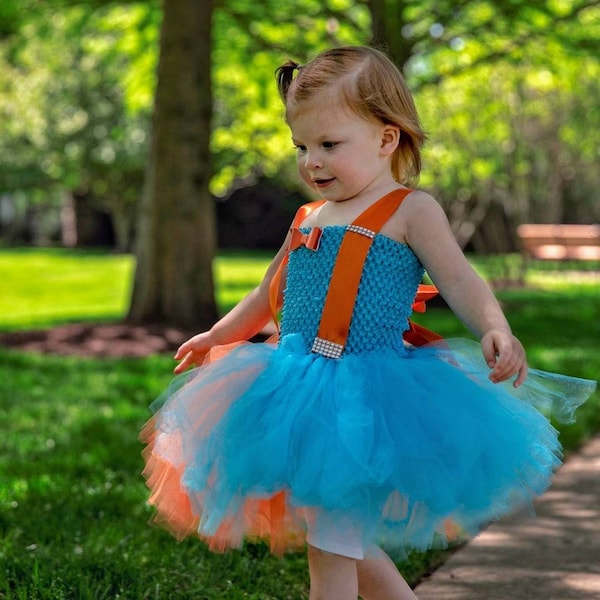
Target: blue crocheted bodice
[[388, 286]]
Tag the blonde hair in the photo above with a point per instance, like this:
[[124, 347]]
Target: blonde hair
[[371, 85]]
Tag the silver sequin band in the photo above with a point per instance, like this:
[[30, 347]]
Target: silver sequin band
[[362, 230], [327, 348]]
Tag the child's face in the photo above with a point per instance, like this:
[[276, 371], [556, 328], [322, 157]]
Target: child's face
[[340, 154]]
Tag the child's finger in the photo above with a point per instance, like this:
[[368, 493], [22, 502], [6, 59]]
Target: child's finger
[[522, 375], [184, 364], [510, 363], [181, 351], [506, 365], [489, 351]]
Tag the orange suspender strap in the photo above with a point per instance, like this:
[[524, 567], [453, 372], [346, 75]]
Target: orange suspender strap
[[345, 280], [347, 271], [275, 293]]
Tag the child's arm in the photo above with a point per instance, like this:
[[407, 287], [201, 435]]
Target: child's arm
[[429, 235], [245, 320]]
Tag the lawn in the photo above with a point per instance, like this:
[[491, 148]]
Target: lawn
[[45, 287], [73, 519]]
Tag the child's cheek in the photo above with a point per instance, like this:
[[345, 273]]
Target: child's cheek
[[305, 175]]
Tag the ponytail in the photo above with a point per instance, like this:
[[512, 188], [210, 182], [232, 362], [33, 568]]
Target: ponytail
[[285, 76]]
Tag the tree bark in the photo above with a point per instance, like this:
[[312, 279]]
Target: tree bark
[[387, 20], [176, 234]]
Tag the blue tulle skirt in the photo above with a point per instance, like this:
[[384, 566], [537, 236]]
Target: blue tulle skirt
[[410, 447]]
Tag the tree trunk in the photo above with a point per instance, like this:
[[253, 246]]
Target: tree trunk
[[176, 235], [387, 20]]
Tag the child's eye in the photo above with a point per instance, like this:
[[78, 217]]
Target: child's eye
[[300, 147], [329, 145]]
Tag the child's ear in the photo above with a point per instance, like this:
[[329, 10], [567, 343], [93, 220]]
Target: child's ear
[[390, 138]]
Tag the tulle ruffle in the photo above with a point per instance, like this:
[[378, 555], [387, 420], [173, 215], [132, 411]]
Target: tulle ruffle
[[411, 447]]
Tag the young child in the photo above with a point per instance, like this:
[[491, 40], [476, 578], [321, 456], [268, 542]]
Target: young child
[[341, 435]]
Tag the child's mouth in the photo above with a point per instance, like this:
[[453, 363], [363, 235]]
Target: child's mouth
[[322, 182]]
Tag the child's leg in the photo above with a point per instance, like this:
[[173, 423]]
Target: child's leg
[[332, 576], [379, 578]]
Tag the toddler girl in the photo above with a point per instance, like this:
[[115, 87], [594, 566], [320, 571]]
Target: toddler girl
[[355, 429]]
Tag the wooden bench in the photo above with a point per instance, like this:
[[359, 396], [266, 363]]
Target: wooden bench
[[560, 242]]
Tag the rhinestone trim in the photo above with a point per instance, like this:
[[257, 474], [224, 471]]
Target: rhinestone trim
[[327, 348], [361, 230]]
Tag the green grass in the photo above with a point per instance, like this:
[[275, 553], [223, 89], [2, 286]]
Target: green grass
[[73, 519], [46, 287], [43, 287], [236, 273]]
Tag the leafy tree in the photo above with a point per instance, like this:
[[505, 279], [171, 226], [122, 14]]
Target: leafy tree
[[519, 159], [428, 38], [482, 55], [69, 121]]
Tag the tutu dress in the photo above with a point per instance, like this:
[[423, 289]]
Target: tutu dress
[[343, 434]]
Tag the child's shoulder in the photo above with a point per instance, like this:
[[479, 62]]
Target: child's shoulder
[[424, 220], [419, 201], [418, 209]]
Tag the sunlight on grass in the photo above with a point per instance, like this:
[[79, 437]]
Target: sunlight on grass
[[45, 287], [73, 513], [41, 287], [564, 281], [236, 273]]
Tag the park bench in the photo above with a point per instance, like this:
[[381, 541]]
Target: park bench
[[548, 242], [560, 242]]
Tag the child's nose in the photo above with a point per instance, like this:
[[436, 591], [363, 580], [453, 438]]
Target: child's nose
[[312, 160]]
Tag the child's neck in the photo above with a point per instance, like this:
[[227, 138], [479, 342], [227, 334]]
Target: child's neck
[[342, 212]]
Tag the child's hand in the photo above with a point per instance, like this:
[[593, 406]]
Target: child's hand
[[192, 352], [505, 355]]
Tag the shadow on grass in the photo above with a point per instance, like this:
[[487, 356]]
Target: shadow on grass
[[74, 524]]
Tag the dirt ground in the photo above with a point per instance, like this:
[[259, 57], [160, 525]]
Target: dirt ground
[[98, 340]]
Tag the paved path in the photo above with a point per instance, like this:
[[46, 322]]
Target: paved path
[[555, 556]]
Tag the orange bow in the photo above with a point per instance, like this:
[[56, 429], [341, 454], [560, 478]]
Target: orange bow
[[418, 335], [310, 240], [424, 293]]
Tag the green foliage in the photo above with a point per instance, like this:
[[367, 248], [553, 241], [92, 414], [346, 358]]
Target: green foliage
[[503, 87], [75, 105], [526, 151], [68, 88], [251, 39], [78, 82]]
